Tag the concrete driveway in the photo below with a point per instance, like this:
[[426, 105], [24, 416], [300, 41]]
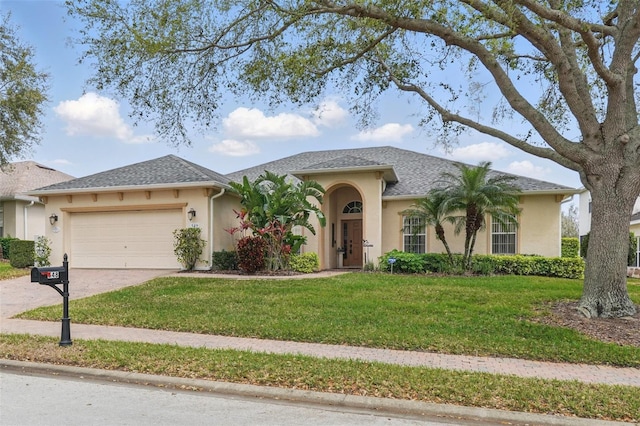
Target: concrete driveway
[[20, 294]]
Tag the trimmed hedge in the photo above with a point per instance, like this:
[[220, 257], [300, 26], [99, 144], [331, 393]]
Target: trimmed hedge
[[6, 249], [224, 261], [304, 262], [22, 253], [411, 263], [570, 247]]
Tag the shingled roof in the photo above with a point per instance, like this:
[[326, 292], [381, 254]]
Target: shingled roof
[[18, 178], [169, 170], [416, 173]]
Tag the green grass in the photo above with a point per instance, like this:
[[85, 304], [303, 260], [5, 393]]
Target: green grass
[[7, 271], [338, 376], [486, 316]]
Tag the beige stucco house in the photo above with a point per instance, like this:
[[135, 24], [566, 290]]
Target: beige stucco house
[[22, 215], [124, 218]]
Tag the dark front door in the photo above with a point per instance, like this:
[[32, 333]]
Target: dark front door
[[352, 242]]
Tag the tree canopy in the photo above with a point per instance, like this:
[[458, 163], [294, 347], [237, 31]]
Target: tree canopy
[[23, 93], [563, 71]]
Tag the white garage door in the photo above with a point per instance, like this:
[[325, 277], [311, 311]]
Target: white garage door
[[124, 239]]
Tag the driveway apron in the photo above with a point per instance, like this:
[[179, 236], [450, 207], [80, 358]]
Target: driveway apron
[[20, 294]]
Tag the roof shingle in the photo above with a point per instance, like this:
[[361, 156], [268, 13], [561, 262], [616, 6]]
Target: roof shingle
[[169, 169], [417, 173]]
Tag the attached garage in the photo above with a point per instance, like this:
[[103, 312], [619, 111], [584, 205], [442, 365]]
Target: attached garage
[[124, 239]]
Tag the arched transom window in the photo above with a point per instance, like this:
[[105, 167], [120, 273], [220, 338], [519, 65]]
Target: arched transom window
[[353, 207]]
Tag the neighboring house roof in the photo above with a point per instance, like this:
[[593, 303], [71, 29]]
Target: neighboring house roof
[[167, 171], [635, 218], [414, 174], [17, 179]]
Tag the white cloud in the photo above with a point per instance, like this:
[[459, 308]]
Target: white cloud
[[96, 115], [234, 148], [390, 132], [245, 123], [485, 151], [61, 161], [330, 114], [527, 168]]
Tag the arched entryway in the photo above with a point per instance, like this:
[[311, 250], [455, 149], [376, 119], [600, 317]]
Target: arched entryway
[[345, 216]]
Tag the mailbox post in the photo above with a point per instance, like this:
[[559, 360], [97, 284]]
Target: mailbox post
[[57, 275]]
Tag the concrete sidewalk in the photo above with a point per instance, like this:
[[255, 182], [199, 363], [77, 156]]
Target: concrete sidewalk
[[523, 368]]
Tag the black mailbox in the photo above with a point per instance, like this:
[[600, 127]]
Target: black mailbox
[[49, 275]]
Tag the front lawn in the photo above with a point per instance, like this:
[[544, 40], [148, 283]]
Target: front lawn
[[7, 271], [486, 316]]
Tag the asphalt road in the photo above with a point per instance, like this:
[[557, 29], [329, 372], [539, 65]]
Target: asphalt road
[[27, 399]]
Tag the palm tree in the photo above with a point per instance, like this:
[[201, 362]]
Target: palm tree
[[475, 193], [433, 210]]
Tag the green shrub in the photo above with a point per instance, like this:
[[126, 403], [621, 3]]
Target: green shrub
[[304, 262], [251, 254], [439, 263], [570, 247], [188, 246], [22, 253], [562, 267], [483, 264], [406, 263], [631, 256], [224, 260], [5, 244]]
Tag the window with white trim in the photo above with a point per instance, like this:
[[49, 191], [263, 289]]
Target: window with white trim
[[353, 207], [503, 237], [637, 252], [414, 234]]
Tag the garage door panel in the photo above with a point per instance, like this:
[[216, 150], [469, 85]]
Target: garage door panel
[[126, 239]]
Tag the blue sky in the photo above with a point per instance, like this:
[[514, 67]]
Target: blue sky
[[86, 132]]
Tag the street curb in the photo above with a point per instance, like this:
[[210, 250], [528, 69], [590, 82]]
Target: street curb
[[372, 404]]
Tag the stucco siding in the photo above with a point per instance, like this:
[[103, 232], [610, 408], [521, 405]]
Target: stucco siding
[[154, 200], [341, 189], [539, 231]]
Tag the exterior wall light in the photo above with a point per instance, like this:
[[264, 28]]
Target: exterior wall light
[[53, 218], [191, 214]]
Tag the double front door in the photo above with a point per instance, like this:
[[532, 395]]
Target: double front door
[[352, 243]]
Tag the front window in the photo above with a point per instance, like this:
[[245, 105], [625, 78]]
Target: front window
[[637, 252], [503, 237], [414, 236]]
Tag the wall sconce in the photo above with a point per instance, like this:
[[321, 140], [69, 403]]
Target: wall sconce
[[191, 214], [53, 218]]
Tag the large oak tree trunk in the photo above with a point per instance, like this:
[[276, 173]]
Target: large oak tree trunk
[[605, 284]]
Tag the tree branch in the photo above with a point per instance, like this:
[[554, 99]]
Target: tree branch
[[488, 130]]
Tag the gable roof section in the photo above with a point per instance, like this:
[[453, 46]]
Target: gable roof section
[[16, 179], [167, 171], [348, 163], [416, 173], [635, 218]]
